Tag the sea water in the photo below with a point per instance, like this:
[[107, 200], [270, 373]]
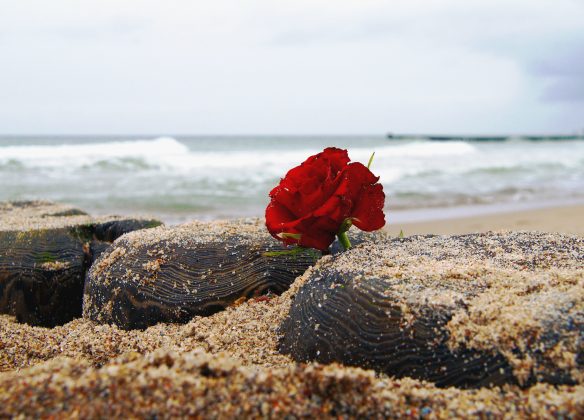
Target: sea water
[[183, 178]]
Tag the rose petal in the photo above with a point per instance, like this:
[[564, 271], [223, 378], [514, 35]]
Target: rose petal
[[336, 209], [277, 216], [338, 158], [316, 232], [358, 172], [368, 212]]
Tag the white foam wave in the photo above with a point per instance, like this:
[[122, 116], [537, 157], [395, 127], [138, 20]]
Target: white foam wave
[[165, 174], [421, 149], [257, 166], [77, 155], [247, 170], [169, 153]]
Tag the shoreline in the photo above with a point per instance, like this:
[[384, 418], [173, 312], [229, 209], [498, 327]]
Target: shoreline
[[560, 218], [404, 217]]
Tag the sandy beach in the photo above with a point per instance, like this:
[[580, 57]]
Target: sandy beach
[[292, 210], [228, 365], [232, 363], [561, 219]]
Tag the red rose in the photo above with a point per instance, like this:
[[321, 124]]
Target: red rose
[[314, 199]]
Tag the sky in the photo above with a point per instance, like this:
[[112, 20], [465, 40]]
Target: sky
[[291, 67]]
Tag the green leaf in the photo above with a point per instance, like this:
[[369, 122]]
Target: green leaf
[[293, 252], [370, 160], [278, 253], [285, 235], [401, 234]]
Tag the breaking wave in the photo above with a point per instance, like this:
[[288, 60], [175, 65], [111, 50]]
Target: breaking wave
[[224, 176]]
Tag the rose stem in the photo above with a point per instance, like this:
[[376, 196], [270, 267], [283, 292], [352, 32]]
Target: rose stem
[[344, 240]]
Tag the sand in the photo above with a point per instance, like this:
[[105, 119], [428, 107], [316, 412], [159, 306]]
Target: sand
[[227, 365], [166, 384], [561, 219], [222, 366], [31, 215], [26, 216]]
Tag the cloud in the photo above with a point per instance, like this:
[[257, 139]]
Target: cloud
[[545, 39], [303, 66], [562, 69]]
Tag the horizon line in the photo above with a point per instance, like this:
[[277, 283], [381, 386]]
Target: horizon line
[[384, 135]]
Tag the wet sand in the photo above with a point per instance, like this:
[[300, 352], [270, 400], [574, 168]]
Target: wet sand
[[561, 219]]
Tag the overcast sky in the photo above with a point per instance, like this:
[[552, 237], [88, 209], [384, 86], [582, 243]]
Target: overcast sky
[[291, 67]]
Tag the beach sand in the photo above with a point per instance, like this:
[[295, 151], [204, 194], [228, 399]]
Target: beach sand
[[223, 366], [561, 219], [228, 365]]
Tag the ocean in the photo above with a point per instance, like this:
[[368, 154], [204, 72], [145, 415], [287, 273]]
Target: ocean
[[205, 177]]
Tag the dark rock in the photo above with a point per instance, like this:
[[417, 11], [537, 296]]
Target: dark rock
[[468, 311], [45, 251], [171, 274]]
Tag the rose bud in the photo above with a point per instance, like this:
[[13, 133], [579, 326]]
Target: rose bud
[[322, 198]]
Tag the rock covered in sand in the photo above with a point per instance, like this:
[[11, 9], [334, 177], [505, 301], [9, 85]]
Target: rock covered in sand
[[227, 365], [470, 310], [45, 251], [171, 274]]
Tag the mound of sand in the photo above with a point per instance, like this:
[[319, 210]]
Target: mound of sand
[[226, 365]]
